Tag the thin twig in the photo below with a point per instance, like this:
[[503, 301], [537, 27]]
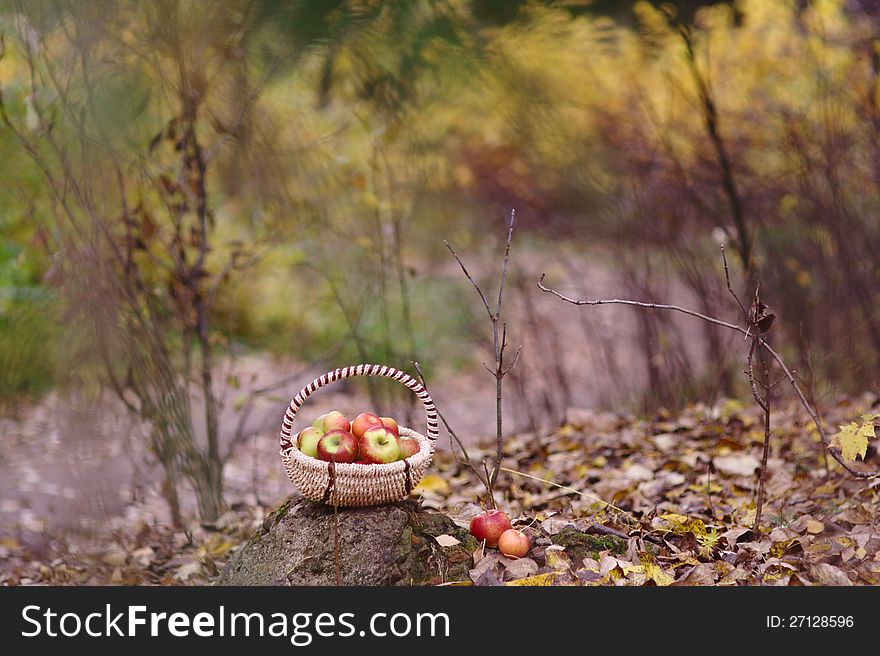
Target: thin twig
[[469, 277], [464, 458], [765, 405], [729, 287]]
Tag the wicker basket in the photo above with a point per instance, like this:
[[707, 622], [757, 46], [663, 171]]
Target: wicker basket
[[353, 484]]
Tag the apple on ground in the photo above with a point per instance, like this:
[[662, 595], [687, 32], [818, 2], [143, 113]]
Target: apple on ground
[[378, 446], [307, 441], [338, 446], [489, 525], [362, 422], [390, 424], [408, 447], [513, 543], [332, 421]]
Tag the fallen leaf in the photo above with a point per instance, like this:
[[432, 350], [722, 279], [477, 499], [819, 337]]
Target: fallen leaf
[[115, 556], [187, 570], [486, 565], [829, 575], [852, 440], [447, 540], [733, 535], [815, 527], [702, 574], [537, 580], [519, 568], [432, 483], [743, 464]]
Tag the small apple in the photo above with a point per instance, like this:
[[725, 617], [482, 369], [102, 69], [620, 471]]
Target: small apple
[[378, 446], [338, 446], [307, 441], [331, 421], [390, 424], [489, 526], [408, 447], [513, 543], [319, 422], [362, 422]]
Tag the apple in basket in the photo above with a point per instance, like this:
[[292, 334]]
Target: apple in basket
[[331, 421], [362, 422], [390, 424], [378, 446], [307, 441], [489, 526], [338, 446], [408, 447]]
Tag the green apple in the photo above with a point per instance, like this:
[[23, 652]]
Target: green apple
[[307, 441], [333, 420]]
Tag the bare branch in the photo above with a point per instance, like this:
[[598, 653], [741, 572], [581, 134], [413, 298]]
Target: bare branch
[[651, 306], [473, 282], [826, 440], [515, 359], [504, 266], [729, 288]]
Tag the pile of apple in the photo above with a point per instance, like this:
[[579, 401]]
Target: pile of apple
[[493, 527], [368, 440]]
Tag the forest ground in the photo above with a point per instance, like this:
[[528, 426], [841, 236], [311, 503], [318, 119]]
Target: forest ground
[[680, 487]]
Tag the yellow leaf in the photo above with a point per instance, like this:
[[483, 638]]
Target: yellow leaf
[[537, 580], [567, 431], [852, 440], [432, 483], [655, 573], [557, 560]]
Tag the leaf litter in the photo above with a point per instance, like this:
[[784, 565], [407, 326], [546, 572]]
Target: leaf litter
[[605, 500]]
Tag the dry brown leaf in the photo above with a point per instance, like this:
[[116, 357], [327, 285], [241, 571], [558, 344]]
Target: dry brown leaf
[[826, 574]]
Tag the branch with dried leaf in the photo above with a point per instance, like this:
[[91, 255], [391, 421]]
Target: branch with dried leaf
[[759, 321]]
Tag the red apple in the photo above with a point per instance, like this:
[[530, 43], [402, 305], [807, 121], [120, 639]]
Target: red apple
[[331, 421], [390, 424], [378, 446], [489, 526], [362, 422], [307, 441], [513, 543], [408, 447], [338, 446]]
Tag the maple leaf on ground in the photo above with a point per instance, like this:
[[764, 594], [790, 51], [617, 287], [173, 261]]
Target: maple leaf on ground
[[852, 440]]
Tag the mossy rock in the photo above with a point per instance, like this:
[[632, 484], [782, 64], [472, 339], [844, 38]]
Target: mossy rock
[[392, 544], [579, 545]]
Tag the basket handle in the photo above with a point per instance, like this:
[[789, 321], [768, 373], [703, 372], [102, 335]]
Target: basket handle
[[359, 370]]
